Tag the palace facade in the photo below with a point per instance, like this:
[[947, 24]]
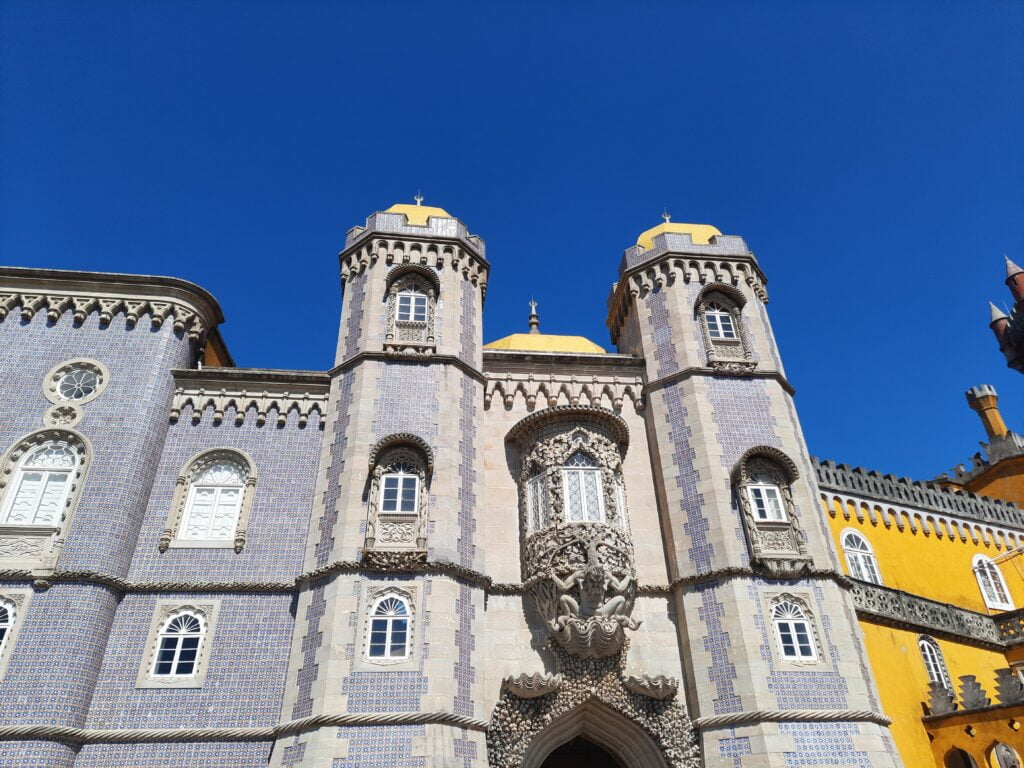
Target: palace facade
[[442, 552]]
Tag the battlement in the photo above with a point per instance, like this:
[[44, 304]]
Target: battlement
[[437, 227], [682, 243], [915, 493]]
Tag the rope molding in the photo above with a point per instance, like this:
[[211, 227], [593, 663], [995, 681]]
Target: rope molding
[[437, 568], [791, 716], [165, 735]]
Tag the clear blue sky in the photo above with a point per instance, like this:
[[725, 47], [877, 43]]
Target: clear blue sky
[[870, 153]]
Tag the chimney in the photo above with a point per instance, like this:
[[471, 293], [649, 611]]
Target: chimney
[[984, 400], [1014, 279]]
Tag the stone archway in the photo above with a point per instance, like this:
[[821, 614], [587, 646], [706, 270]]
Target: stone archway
[[579, 752]]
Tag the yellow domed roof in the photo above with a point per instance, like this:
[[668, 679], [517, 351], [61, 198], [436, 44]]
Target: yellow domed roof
[[701, 234], [546, 342], [418, 214]]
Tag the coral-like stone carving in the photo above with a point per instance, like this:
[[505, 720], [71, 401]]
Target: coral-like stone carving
[[583, 584], [659, 687], [394, 560], [940, 699], [531, 686], [517, 720]]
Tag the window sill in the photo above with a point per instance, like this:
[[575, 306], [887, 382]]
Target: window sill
[[201, 544], [170, 682]]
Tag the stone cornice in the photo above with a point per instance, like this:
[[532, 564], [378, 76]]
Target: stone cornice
[[904, 492], [608, 391], [893, 607], [687, 373], [246, 389], [190, 308], [458, 362]]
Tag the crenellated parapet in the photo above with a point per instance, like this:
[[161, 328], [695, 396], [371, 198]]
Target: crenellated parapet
[[249, 393], [186, 307]]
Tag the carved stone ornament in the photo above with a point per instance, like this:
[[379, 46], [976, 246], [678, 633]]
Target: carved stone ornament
[[658, 687], [728, 356], [394, 560], [583, 583], [940, 699], [777, 546], [532, 686], [411, 337], [397, 530], [597, 688], [65, 415]]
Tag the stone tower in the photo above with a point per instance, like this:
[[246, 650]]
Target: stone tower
[[388, 532], [747, 548]]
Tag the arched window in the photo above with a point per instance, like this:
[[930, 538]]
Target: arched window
[[389, 628], [1006, 756], [584, 494], [958, 758], [719, 321], [8, 615], [41, 486], [214, 501], [412, 301], [934, 663], [859, 558], [766, 500], [793, 631], [993, 587], [400, 471], [178, 645], [412, 306]]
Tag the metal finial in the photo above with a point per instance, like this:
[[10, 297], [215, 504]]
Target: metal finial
[[666, 216], [534, 319], [418, 198]]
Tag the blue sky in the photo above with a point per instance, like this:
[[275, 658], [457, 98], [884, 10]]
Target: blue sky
[[870, 153]]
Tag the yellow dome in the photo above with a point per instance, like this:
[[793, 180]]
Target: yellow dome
[[418, 214], [546, 342], [701, 234]]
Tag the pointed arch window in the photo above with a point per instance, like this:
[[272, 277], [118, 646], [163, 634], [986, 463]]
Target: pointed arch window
[[719, 321], [934, 663], [993, 587], [41, 486], [179, 644], [1006, 756], [860, 559], [793, 631], [584, 494], [212, 502], [389, 628]]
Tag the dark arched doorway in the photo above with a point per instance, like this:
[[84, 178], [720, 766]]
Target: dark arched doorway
[[957, 758], [580, 753]]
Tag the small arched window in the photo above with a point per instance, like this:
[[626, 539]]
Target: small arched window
[[993, 587], [8, 615], [719, 321], [411, 304], [179, 643], [398, 497], [42, 485], [934, 663], [958, 758], [584, 495], [793, 631], [214, 501], [389, 628], [766, 500], [860, 559], [1006, 756]]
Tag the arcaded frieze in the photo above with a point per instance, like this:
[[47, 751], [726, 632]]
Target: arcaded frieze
[[249, 392]]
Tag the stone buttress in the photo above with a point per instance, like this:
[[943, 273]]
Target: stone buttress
[[720, 417], [406, 395]]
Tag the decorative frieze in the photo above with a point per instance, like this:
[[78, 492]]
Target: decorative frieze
[[919, 613], [249, 393], [555, 389]]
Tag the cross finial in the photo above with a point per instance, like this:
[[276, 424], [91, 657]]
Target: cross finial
[[666, 215], [418, 198]]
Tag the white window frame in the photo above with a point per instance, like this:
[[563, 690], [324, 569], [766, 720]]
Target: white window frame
[[8, 622], [22, 469], [389, 622], [714, 314], [219, 488], [537, 502], [417, 302], [404, 474], [764, 488], [792, 622], [166, 610], [860, 557], [16, 603], [934, 662], [581, 474], [164, 634], [993, 587]]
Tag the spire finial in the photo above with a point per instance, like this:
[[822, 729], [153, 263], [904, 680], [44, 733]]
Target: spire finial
[[666, 215], [418, 198], [534, 318]]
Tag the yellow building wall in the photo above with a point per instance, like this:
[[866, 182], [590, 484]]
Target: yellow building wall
[[925, 564], [903, 685], [978, 734]]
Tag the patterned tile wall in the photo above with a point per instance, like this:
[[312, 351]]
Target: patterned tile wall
[[206, 755], [36, 754], [383, 747]]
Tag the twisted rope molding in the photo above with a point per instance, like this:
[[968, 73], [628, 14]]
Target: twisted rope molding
[[71, 735], [437, 568], [791, 716]]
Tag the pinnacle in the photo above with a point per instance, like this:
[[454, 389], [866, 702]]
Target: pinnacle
[[1011, 268], [995, 313]]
